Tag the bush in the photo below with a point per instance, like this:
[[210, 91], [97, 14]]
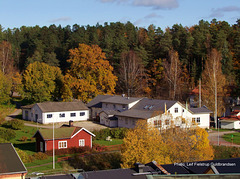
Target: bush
[[97, 162], [116, 133], [99, 148], [225, 152], [71, 150], [7, 134], [40, 156], [23, 138], [24, 156], [16, 124]]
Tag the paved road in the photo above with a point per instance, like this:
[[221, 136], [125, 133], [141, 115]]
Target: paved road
[[214, 136]]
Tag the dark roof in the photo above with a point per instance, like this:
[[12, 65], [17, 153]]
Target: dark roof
[[96, 102], [65, 176], [120, 100], [200, 110], [62, 106], [10, 162], [118, 173], [60, 133], [28, 106], [223, 166], [147, 108]]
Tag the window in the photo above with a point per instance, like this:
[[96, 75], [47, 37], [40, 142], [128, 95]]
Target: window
[[62, 115], [183, 110], [114, 106], [62, 144], [82, 113], [158, 123], [167, 122], [133, 122], [183, 121], [72, 114], [176, 110], [81, 142], [41, 146], [124, 106], [49, 115], [198, 120], [193, 120]]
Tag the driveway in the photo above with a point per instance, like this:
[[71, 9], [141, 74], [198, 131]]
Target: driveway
[[214, 136]]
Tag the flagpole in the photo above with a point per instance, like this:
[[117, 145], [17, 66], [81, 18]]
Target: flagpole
[[53, 147]]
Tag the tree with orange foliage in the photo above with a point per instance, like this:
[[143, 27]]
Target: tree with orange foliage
[[89, 74], [145, 143]]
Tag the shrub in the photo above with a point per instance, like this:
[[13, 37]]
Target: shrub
[[24, 156], [71, 150], [7, 134], [40, 156], [99, 148], [224, 152], [16, 124], [23, 138], [117, 133]]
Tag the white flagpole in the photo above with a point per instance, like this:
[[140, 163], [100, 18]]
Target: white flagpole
[[53, 147]]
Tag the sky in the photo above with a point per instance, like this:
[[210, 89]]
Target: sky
[[142, 13]]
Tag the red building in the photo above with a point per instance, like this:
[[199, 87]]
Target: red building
[[64, 137]]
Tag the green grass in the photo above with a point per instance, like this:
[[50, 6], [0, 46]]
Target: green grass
[[222, 130], [108, 143], [234, 137]]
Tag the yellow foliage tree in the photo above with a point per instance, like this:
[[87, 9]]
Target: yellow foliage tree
[[89, 74], [145, 143], [187, 145]]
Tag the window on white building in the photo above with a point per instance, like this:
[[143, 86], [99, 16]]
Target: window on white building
[[49, 115], [62, 115], [62, 144], [157, 123], [82, 113], [81, 142], [167, 122], [198, 120], [176, 110], [73, 114]]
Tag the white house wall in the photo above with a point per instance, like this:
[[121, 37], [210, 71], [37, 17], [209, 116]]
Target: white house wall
[[56, 116], [230, 125]]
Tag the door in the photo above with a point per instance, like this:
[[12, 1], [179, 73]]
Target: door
[[41, 146], [36, 117]]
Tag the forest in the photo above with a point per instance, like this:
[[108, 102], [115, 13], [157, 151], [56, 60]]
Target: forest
[[121, 58]]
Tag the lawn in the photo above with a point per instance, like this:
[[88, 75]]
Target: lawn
[[108, 143], [234, 137]]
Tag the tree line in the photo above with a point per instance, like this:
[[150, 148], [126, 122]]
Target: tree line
[[148, 61]]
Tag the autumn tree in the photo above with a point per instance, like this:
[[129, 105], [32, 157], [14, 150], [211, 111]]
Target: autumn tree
[[89, 74], [17, 85], [175, 75], [6, 62], [190, 144], [214, 84], [5, 87], [143, 144], [132, 76], [42, 82]]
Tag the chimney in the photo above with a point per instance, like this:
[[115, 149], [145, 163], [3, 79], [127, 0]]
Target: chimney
[[70, 123], [139, 167]]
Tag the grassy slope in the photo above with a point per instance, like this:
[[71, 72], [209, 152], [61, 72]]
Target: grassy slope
[[234, 137]]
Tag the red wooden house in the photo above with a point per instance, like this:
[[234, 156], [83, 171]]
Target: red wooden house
[[64, 137]]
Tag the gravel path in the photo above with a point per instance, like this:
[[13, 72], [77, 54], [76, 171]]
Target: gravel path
[[214, 136]]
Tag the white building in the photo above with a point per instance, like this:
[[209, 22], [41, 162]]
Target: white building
[[49, 112], [232, 121], [119, 111]]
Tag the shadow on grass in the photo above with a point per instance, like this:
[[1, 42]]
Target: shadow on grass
[[30, 146]]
